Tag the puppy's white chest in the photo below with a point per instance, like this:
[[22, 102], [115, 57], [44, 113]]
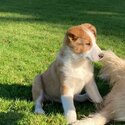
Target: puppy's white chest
[[79, 72], [75, 72]]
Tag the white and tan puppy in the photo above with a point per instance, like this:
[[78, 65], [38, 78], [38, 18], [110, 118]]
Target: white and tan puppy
[[71, 71], [114, 103]]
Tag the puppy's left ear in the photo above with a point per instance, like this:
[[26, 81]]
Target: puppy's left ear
[[74, 33], [90, 27]]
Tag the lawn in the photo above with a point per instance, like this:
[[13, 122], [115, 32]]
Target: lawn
[[31, 33]]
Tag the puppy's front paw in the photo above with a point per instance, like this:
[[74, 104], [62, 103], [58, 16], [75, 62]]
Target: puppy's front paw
[[70, 116], [39, 111]]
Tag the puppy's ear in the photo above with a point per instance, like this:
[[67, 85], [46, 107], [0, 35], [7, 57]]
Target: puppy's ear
[[71, 36], [74, 33], [90, 27]]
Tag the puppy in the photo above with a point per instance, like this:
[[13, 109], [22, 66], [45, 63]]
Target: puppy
[[114, 103], [71, 71]]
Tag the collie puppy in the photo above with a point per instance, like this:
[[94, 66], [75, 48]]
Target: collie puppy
[[71, 71], [114, 103]]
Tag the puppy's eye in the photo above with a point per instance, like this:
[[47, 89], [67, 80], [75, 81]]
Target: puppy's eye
[[88, 44]]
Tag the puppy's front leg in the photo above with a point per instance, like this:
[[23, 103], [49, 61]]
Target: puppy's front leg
[[92, 91], [68, 104]]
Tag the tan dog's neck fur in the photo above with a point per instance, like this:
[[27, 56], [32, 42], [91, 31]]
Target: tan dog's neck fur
[[108, 71]]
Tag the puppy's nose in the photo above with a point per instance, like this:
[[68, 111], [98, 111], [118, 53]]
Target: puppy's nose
[[101, 55]]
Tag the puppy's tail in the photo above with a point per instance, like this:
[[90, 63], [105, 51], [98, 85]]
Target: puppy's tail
[[111, 65]]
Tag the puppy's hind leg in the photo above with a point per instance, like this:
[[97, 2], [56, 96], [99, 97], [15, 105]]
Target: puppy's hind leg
[[38, 104], [38, 94]]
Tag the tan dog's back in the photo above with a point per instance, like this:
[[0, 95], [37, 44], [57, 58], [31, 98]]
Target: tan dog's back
[[114, 71]]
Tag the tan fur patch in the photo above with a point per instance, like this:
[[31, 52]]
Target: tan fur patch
[[90, 27], [64, 89], [78, 39]]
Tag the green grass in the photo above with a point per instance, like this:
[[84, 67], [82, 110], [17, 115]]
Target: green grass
[[31, 33]]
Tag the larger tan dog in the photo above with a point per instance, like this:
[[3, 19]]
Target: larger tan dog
[[114, 103], [71, 71]]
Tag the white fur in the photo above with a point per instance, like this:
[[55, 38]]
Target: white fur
[[69, 70], [93, 53], [80, 73], [68, 106]]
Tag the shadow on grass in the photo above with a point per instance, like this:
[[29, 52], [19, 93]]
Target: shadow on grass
[[107, 16], [22, 92], [82, 108], [15, 91], [10, 118]]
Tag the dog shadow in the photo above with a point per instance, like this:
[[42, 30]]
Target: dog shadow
[[15, 91], [11, 117]]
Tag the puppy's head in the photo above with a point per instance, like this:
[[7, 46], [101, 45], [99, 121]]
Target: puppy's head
[[81, 40]]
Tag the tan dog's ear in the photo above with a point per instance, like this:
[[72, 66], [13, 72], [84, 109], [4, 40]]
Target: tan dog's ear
[[90, 27]]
